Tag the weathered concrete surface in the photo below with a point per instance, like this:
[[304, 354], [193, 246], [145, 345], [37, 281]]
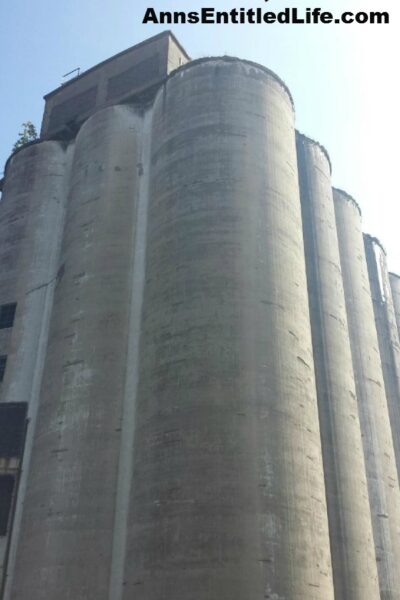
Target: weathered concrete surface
[[31, 219], [388, 336], [351, 539], [228, 499], [133, 73], [382, 478], [67, 526], [177, 453], [30, 226], [395, 287], [137, 282]]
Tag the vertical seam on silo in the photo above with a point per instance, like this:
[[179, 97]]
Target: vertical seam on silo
[[126, 458], [312, 268]]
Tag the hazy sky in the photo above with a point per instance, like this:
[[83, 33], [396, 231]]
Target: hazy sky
[[345, 79]]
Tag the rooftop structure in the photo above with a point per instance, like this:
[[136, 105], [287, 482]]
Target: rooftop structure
[[135, 73]]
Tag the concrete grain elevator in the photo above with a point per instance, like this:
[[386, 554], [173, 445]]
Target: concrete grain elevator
[[199, 349]]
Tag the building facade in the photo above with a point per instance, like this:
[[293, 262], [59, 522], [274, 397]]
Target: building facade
[[199, 349]]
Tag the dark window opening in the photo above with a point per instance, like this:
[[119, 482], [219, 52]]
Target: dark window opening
[[3, 362], [7, 314], [6, 497], [12, 428]]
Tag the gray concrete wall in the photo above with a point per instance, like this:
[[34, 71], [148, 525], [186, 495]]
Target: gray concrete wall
[[388, 336], [164, 343], [176, 55], [228, 498], [351, 539], [116, 80], [395, 288], [31, 221], [66, 537], [379, 454], [30, 226]]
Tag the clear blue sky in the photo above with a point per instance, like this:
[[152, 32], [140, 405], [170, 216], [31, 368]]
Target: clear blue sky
[[345, 79]]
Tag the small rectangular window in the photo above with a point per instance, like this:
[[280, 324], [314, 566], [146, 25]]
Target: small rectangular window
[[12, 428], [7, 314], [3, 362], [6, 497]]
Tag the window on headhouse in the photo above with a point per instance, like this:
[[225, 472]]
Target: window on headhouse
[[6, 496], [3, 362], [7, 314]]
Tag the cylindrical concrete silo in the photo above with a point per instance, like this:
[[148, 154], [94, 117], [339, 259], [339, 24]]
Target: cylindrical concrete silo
[[228, 498], [66, 537], [382, 478], [31, 221], [31, 218], [395, 287], [352, 545], [388, 336]]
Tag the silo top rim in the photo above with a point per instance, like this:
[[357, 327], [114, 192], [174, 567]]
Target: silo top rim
[[16, 151], [302, 136], [376, 241], [225, 58], [348, 198]]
